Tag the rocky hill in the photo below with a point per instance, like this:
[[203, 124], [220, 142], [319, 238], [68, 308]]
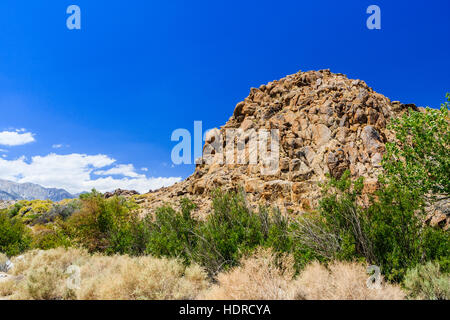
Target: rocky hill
[[28, 191], [327, 124]]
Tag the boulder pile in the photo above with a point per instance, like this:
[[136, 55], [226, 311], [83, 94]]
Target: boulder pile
[[120, 193], [327, 123]]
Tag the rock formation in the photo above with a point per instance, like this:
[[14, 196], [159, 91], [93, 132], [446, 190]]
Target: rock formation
[[121, 193], [327, 124]]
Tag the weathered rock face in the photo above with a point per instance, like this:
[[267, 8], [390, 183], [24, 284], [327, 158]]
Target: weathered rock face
[[439, 214], [327, 124]]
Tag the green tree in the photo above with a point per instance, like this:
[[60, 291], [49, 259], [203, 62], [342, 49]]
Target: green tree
[[420, 158], [104, 224], [14, 235]]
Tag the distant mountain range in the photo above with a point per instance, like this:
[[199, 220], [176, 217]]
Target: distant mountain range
[[29, 191]]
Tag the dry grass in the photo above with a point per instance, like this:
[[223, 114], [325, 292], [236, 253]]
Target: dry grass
[[341, 281], [7, 287], [140, 278], [3, 260], [105, 277], [261, 278], [264, 275]]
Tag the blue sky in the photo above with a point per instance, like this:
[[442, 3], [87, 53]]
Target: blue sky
[[115, 90]]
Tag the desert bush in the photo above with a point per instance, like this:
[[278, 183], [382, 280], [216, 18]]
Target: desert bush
[[230, 231], [339, 229], [14, 235], [103, 225], [29, 210], [276, 229], [262, 276], [7, 287], [233, 231], [50, 236], [427, 282], [15, 208], [345, 219], [399, 237], [341, 281], [388, 231], [59, 211], [105, 277], [312, 240], [44, 274], [170, 233], [45, 283]]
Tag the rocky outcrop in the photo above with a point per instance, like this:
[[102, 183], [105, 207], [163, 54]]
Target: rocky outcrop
[[327, 124], [121, 193], [438, 214]]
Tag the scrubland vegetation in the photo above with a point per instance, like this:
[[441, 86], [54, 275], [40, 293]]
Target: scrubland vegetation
[[104, 277], [240, 254]]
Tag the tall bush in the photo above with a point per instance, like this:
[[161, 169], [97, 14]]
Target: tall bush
[[14, 235]]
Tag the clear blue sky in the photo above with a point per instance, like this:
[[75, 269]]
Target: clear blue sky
[[139, 69]]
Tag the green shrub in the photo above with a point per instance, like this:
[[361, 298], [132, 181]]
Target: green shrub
[[312, 240], [50, 237], [338, 230], [104, 225], [29, 210], [428, 282], [345, 219], [171, 234], [59, 211], [388, 232], [14, 235], [229, 232], [14, 209], [396, 230]]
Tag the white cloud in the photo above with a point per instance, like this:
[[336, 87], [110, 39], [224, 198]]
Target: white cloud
[[3, 150], [73, 173], [15, 138], [144, 169], [126, 170]]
